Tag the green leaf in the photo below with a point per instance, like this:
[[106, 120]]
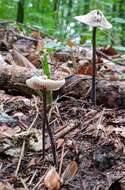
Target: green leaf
[[46, 69]]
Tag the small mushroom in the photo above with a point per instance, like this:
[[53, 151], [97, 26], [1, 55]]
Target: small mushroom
[[44, 84], [40, 82], [94, 19]]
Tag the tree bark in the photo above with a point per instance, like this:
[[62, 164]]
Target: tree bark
[[55, 5], [13, 79], [122, 15], [20, 12], [110, 94]]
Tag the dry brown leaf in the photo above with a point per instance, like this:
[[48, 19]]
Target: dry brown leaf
[[40, 45], [59, 142], [109, 51], [122, 186], [85, 69], [70, 43], [32, 162], [52, 180], [69, 172], [5, 186], [122, 183], [65, 69], [6, 131], [2, 62], [60, 74], [21, 60], [35, 34]]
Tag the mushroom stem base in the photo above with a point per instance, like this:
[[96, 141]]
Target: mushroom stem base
[[46, 123], [93, 93]]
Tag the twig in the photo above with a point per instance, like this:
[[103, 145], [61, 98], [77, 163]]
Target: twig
[[32, 178], [61, 160], [34, 120], [100, 53], [73, 186], [40, 180], [77, 81], [87, 122], [4, 22], [20, 159], [100, 121], [67, 129], [54, 106], [75, 65], [23, 183]]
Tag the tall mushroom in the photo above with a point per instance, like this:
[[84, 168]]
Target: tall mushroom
[[44, 84], [94, 19]]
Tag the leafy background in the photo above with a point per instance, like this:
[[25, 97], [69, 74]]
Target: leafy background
[[55, 18]]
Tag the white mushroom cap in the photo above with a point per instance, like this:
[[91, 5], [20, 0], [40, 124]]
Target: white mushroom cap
[[94, 18], [38, 82]]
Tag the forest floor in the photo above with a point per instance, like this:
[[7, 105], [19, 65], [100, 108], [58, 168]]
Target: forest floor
[[90, 140]]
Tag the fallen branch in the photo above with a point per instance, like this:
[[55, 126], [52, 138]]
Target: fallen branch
[[72, 125], [24, 37], [20, 159]]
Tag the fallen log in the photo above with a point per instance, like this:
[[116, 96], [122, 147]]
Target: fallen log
[[13, 79], [109, 93]]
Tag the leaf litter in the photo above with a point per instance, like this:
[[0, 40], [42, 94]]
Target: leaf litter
[[90, 140]]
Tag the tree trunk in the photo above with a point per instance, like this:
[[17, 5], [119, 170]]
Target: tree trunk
[[55, 5], [55, 11], [70, 4], [20, 12], [122, 15]]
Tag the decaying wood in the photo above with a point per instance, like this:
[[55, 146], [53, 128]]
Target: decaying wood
[[13, 79], [66, 129], [109, 93], [19, 36]]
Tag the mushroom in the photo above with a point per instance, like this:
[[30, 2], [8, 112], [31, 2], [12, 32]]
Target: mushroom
[[44, 84], [94, 19], [41, 82]]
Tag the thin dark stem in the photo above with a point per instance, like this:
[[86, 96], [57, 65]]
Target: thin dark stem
[[52, 142], [93, 95], [43, 127], [48, 129]]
